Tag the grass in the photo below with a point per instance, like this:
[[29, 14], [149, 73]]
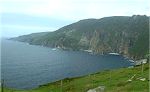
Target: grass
[[114, 81]]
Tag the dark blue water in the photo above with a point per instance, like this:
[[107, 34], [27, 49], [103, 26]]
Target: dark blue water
[[27, 66]]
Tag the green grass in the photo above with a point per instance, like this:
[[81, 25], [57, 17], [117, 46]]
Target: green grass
[[114, 81]]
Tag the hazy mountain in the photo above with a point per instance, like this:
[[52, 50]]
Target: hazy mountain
[[122, 34]]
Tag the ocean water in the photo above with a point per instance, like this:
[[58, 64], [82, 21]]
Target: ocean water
[[27, 66]]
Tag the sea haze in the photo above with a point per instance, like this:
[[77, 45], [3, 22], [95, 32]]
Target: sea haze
[[27, 66]]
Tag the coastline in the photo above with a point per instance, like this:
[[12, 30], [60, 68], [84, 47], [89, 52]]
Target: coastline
[[84, 83], [85, 50]]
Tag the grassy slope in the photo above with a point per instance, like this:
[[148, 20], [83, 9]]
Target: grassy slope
[[121, 34], [118, 82]]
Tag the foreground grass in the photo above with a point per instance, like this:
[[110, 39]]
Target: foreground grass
[[114, 81]]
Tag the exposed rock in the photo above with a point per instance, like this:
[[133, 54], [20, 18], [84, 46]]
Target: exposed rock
[[125, 35], [98, 89], [141, 61]]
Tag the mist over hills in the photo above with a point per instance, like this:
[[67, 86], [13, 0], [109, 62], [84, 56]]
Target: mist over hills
[[127, 35]]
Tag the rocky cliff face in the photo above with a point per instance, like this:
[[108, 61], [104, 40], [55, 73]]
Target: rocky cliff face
[[125, 35]]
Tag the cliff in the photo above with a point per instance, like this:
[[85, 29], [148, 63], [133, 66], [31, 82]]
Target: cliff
[[121, 34]]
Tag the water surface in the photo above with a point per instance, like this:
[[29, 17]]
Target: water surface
[[27, 66]]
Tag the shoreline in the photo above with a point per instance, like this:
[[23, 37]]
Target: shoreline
[[92, 79], [85, 50], [42, 85]]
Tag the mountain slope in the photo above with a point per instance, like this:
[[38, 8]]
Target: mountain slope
[[122, 34]]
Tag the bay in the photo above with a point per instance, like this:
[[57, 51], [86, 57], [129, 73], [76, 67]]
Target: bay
[[27, 66]]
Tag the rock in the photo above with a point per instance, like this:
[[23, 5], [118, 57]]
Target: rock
[[141, 61], [98, 89], [131, 67], [143, 79], [129, 80]]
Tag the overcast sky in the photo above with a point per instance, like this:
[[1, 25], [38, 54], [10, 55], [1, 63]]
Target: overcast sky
[[20, 17]]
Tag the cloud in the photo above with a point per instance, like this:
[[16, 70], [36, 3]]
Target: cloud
[[76, 9], [43, 15]]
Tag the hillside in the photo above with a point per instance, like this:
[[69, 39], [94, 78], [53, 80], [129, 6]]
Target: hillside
[[121, 34], [113, 81], [28, 38]]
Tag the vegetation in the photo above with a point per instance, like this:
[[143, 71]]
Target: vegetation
[[114, 81], [122, 34]]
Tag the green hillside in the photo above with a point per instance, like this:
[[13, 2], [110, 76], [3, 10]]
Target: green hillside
[[113, 81], [121, 34]]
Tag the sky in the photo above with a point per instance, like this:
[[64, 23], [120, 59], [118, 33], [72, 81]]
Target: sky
[[19, 17]]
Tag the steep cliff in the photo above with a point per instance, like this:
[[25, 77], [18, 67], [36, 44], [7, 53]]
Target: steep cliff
[[121, 34]]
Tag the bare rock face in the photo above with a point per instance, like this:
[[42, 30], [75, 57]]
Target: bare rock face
[[98, 89], [84, 41]]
